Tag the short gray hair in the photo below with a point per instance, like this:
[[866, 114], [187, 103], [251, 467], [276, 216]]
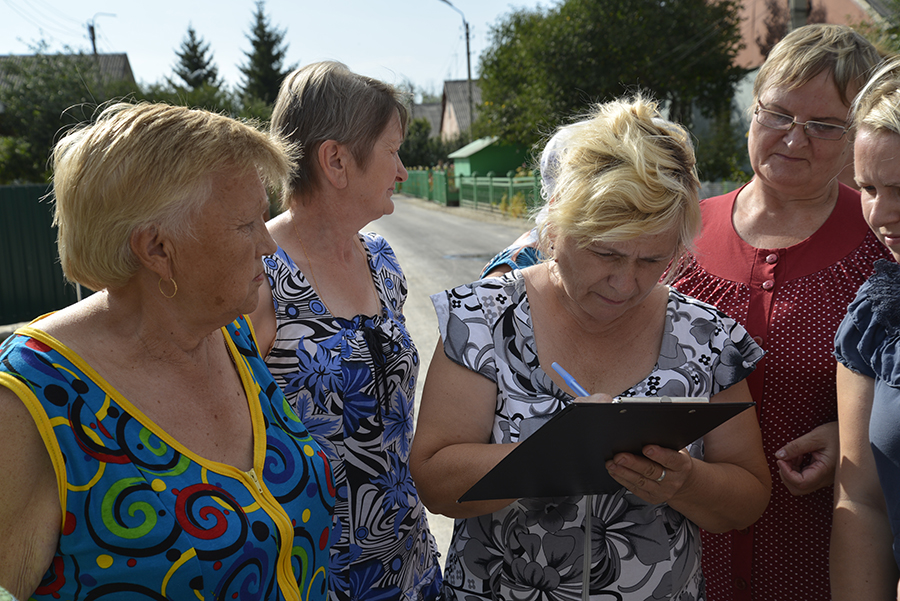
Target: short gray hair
[[807, 51], [142, 165], [327, 101]]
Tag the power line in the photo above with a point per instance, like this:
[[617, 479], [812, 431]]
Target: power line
[[57, 12], [41, 21]]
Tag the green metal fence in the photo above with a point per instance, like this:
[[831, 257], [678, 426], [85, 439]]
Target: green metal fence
[[489, 193], [431, 184], [31, 279], [496, 193]]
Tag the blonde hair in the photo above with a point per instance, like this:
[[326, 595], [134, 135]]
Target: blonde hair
[[807, 51], [145, 165], [877, 107], [327, 101], [625, 172]]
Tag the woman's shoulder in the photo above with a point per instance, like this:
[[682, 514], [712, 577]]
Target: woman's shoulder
[[680, 302], [278, 260], [867, 339], [877, 303], [505, 288], [376, 243], [75, 328], [381, 253], [878, 299], [701, 322], [482, 303]]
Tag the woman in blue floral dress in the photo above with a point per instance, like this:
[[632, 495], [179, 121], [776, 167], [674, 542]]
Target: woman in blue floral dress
[[625, 208], [331, 322]]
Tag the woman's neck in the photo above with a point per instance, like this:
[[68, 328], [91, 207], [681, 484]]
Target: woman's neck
[[765, 219]]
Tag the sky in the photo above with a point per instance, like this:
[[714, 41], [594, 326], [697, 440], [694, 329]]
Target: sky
[[420, 41]]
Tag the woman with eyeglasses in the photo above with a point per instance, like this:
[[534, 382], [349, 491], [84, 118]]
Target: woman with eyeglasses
[[784, 255]]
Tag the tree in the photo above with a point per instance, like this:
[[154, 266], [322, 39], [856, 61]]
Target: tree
[[263, 72], [414, 151], [884, 32], [194, 67], [420, 149], [45, 94], [722, 150], [212, 97], [418, 94], [542, 67]]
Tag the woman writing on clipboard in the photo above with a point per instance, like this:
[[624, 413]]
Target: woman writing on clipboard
[[625, 208]]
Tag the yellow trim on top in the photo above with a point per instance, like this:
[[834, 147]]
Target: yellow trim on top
[[252, 390], [45, 429], [286, 578], [204, 477], [136, 413]]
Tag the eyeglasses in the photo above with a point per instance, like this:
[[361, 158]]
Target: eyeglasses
[[813, 129]]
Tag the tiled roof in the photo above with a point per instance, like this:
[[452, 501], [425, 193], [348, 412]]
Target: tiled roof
[[456, 92], [113, 66], [432, 112]]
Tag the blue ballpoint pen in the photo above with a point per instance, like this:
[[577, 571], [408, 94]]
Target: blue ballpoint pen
[[572, 382], [585, 585]]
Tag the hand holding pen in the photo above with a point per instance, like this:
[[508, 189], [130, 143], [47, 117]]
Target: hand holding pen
[[642, 475], [572, 383]]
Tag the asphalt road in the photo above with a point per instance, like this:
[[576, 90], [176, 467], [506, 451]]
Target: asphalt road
[[439, 248]]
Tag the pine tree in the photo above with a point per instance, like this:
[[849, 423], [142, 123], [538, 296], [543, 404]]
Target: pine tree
[[264, 71], [194, 67]]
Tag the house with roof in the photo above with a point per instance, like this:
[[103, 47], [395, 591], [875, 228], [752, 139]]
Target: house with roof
[[754, 14], [113, 67], [431, 112], [456, 116], [488, 155]]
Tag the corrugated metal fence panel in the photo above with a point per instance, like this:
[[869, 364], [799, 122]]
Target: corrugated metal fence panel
[[418, 185], [31, 279]]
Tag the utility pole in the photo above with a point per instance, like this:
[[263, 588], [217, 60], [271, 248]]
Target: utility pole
[[468, 63], [92, 33]]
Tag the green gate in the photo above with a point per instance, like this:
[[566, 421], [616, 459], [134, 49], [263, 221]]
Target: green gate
[[31, 279]]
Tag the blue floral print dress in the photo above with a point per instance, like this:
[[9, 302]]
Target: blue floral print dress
[[532, 550], [353, 382]]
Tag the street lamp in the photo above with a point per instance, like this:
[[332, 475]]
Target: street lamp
[[468, 63]]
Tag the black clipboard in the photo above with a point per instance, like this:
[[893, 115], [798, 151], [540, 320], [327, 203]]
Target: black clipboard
[[566, 456]]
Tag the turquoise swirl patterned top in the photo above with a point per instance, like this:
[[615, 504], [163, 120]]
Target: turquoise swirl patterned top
[[144, 517]]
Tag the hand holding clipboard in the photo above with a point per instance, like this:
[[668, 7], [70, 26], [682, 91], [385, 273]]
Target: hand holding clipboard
[[566, 456]]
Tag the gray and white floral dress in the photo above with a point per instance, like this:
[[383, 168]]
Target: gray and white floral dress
[[532, 550]]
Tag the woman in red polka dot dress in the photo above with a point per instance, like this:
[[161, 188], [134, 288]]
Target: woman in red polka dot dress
[[784, 256]]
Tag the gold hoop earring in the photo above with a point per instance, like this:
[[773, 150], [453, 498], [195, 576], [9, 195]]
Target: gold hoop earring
[[159, 285]]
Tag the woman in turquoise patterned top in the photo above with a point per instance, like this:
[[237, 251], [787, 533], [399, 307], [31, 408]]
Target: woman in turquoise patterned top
[[145, 450], [335, 336]]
